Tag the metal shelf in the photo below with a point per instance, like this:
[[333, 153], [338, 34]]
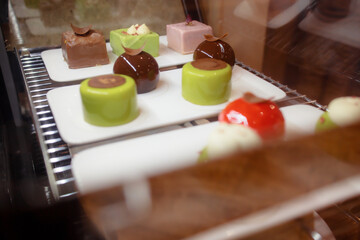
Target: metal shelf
[[56, 153]]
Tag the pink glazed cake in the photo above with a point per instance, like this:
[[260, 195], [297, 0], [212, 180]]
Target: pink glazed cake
[[184, 37]]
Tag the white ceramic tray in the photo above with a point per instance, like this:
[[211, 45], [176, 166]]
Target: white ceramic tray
[[114, 163], [288, 14], [60, 72], [345, 30], [250, 10], [161, 107]]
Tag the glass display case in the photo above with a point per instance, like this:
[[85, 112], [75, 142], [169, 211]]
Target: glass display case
[[64, 178]]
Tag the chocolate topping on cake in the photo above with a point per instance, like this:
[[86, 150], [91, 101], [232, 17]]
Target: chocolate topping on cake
[[133, 52], [208, 64], [211, 38], [106, 81], [81, 31]]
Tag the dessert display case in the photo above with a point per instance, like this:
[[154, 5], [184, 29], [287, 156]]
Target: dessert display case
[[143, 179]]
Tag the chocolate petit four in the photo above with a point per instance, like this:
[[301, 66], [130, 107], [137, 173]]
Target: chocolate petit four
[[184, 37], [342, 111], [109, 100], [84, 47], [206, 81], [262, 115], [134, 37], [214, 47], [139, 65]]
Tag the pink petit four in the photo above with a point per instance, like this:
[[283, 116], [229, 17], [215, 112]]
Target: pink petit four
[[184, 37]]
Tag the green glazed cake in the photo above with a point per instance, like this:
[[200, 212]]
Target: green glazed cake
[[109, 100], [206, 81], [135, 37], [342, 111]]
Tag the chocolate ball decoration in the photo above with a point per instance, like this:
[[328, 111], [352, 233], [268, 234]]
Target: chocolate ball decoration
[[214, 47], [139, 65]]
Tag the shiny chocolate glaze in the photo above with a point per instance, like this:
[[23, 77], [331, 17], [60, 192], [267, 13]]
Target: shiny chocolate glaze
[[143, 68], [209, 64], [86, 50], [215, 49], [106, 81]]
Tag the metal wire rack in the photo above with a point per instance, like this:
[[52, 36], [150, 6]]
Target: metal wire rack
[[56, 153], [57, 158]]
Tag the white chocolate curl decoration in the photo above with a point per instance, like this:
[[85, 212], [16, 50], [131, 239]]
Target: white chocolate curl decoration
[[139, 30]]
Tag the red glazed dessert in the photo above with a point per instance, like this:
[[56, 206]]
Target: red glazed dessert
[[260, 114], [139, 65], [214, 47]]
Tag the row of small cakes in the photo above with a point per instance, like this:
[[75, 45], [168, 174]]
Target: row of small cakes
[[245, 123], [249, 122], [142, 68], [86, 47]]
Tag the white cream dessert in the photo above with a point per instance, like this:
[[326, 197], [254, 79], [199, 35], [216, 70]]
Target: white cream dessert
[[342, 111], [229, 138]]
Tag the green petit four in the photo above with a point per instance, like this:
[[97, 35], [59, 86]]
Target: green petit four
[[206, 81], [135, 37], [109, 100]]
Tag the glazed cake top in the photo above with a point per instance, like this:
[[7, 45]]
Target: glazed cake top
[[194, 26], [72, 39]]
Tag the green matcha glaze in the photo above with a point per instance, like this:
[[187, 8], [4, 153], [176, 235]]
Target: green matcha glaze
[[109, 106], [324, 123], [206, 87], [118, 39], [203, 156]]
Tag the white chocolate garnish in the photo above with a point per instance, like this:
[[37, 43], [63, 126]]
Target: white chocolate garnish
[[143, 29], [131, 30]]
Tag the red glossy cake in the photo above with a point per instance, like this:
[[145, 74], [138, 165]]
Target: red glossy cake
[[262, 115], [84, 47]]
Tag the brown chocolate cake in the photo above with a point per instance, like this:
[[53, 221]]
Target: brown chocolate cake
[[214, 47], [84, 47], [139, 65], [332, 10]]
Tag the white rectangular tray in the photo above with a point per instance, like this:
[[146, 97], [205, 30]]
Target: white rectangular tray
[[288, 14], [115, 163], [161, 107], [60, 72]]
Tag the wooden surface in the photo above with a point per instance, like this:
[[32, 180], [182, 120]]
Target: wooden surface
[[189, 201]]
